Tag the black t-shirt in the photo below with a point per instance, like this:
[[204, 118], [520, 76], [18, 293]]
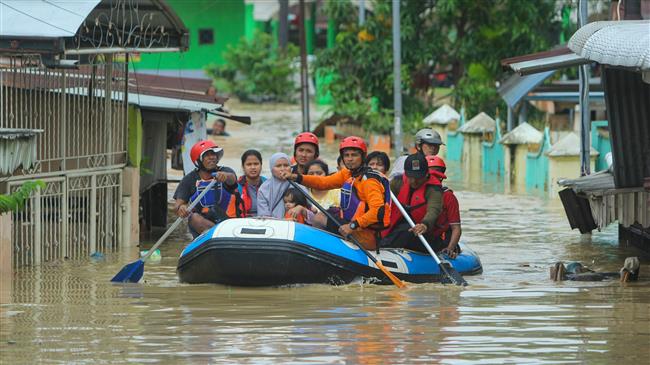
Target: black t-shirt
[[187, 186]]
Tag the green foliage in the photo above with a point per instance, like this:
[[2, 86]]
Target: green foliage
[[467, 37], [254, 71], [16, 201]]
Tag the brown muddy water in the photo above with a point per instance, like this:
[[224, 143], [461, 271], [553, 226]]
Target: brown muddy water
[[69, 312]]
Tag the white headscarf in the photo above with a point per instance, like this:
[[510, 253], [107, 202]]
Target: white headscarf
[[269, 196]]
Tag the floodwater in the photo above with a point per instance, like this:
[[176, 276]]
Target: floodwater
[[69, 312]]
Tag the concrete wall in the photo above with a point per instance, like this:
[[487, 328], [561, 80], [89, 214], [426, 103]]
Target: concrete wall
[[442, 129], [564, 167]]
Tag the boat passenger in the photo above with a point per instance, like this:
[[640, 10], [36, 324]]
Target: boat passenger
[[269, 195], [378, 161], [214, 205], [427, 142], [420, 193], [305, 150], [365, 203], [339, 163], [249, 184], [295, 206], [326, 198], [448, 230]]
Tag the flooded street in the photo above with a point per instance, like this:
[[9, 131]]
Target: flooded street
[[69, 312]]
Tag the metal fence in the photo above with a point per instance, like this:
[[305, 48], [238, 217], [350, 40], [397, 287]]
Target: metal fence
[[72, 217], [80, 155]]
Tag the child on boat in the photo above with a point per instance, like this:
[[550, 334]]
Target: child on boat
[[293, 198]]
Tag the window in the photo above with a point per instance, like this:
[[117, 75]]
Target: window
[[206, 36]]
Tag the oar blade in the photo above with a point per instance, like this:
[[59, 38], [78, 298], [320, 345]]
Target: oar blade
[[130, 273], [451, 273], [398, 283]]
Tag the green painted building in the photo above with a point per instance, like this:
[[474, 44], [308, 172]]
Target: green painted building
[[213, 26]]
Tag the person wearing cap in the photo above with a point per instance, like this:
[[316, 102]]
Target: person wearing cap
[[427, 142], [446, 234], [420, 193], [213, 207], [365, 200], [305, 150]]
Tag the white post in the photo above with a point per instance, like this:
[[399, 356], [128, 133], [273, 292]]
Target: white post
[[397, 83]]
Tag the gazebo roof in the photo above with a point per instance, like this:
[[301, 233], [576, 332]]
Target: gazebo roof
[[568, 145], [522, 134], [443, 115], [481, 123]]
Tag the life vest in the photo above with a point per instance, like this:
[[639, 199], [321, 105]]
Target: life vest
[[299, 219], [352, 206], [415, 205], [217, 196], [442, 227], [241, 202]]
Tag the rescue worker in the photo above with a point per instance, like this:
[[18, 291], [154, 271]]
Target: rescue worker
[[427, 142], [420, 193], [365, 200], [448, 230], [213, 206], [305, 150]]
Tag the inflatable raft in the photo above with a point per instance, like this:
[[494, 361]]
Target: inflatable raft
[[269, 252]]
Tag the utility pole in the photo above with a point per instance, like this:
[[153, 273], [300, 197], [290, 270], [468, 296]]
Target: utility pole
[[585, 114], [362, 12], [283, 31], [397, 83], [304, 70]]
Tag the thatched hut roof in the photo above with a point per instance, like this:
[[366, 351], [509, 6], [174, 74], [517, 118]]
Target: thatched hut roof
[[568, 145], [481, 123], [443, 115], [522, 134]]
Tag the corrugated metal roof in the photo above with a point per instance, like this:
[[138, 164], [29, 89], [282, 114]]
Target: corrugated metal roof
[[481, 123], [443, 115], [628, 109], [16, 133], [543, 61], [40, 18], [569, 145], [522, 134], [602, 180], [17, 148], [517, 86], [617, 43]]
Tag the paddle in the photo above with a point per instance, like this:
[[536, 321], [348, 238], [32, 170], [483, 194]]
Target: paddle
[[132, 273], [390, 275], [445, 266]]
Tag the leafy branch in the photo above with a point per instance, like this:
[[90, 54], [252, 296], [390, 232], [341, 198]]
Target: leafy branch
[[16, 200]]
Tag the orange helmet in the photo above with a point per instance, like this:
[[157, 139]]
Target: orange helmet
[[305, 137], [201, 147], [353, 142], [435, 161]]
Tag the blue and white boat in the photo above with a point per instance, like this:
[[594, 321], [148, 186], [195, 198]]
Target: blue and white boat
[[270, 252]]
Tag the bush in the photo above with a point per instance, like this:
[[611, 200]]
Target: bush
[[254, 71]]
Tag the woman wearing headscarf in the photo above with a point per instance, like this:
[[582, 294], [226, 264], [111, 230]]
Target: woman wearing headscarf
[[269, 196]]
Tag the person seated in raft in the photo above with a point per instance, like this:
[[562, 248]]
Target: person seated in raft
[[427, 142], [447, 227], [305, 150], [378, 161], [365, 202], [420, 193], [339, 163], [295, 206], [219, 128], [249, 184], [216, 205], [328, 199], [270, 194]]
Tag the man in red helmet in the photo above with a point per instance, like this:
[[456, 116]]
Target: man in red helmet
[[420, 193], [447, 227], [214, 204], [365, 202], [305, 150]]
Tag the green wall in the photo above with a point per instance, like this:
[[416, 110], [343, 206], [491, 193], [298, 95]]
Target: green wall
[[226, 17]]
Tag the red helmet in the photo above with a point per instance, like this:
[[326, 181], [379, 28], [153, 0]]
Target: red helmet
[[201, 147], [306, 137], [353, 142], [435, 161]]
